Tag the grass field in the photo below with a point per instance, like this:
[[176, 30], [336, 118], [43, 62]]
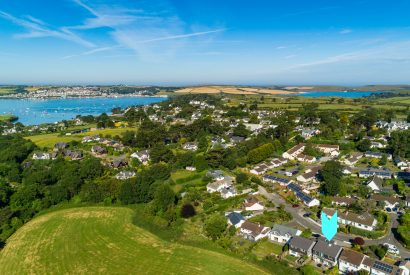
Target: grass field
[[102, 240], [7, 117], [48, 140], [229, 90]]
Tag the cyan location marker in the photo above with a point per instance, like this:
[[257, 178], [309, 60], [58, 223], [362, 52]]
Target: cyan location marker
[[329, 226]]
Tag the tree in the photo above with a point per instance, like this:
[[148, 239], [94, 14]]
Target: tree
[[364, 145], [331, 174], [358, 241], [200, 163], [188, 211], [160, 152], [363, 190], [241, 177], [128, 192], [164, 198], [241, 130], [307, 233], [215, 226]]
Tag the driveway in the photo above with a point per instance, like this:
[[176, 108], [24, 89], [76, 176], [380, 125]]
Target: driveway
[[341, 239]]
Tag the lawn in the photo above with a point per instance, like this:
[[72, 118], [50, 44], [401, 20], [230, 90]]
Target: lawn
[[7, 117], [103, 240], [265, 248], [48, 140]]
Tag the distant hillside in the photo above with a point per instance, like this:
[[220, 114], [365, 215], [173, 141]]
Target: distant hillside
[[231, 90]]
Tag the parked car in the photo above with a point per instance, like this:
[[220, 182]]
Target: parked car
[[295, 205]]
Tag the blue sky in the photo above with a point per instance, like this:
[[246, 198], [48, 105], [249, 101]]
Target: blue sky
[[183, 42]]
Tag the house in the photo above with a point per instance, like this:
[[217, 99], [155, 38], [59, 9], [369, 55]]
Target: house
[[389, 201], [74, 155], [253, 232], [347, 171], [235, 219], [191, 146], [228, 192], [190, 168], [282, 233], [299, 246], [305, 158], [257, 171], [274, 179], [307, 200], [42, 156], [142, 156], [309, 175], [375, 183], [383, 268], [123, 175], [364, 221], [253, 204], [293, 152], [351, 261], [307, 133], [330, 149], [223, 185], [377, 155], [326, 253], [405, 176], [60, 146], [98, 150], [119, 162], [381, 173], [343, 201], [407, 203], [353, 159], [215, 174], [91, 139], [237, 139]]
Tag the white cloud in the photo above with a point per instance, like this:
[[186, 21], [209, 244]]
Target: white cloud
[[37, 29], [345, 31]]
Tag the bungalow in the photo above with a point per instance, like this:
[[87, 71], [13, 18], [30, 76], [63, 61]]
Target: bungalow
[[364, 221], [60, 146], [235, 219], [405, 176], [257, 170], [282, 234], [377, 155], [369, 172], [191, 146], [119, 162], [190, 168], [253, 204], [74, 155], [309, 175], [353, 159], [299, 246], [347, 171], [389, 201], [305, 158], [123, 175], [350, 262], [383, 268], [228, 192], [98, 150], [274, 179], [293, 152], [375, 183], [253, 232], [215, 174], [343, 201], [42, 156], [326, 253], [307, 133], [333, 150], [91, 139], [142, 156], [237, 139], [307, 200]]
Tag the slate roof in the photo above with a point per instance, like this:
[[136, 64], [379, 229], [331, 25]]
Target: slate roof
[[283, 230], [235, 218], [327, 248], [301, 243]]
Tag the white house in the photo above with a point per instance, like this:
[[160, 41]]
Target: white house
[[363, 221], [293, 152], [282, 234], [191, 146], [42, 156], [351, 261], [123, 175], [375, 183], [253, 204], [253, 232], [235, 219], [142, 156]]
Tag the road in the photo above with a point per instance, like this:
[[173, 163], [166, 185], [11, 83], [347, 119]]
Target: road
[[341, 239]]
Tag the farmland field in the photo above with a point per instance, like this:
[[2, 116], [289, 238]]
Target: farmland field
[[48, 140], [103, 240]]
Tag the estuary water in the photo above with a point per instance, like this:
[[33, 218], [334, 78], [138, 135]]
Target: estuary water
[[37, 111]]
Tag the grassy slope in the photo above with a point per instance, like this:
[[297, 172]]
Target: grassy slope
[[102, 240], [7, 117]]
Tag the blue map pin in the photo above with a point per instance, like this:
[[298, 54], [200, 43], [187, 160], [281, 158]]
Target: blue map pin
[[329, 226]]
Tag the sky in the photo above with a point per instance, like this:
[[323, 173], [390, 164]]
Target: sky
[[188, 42]]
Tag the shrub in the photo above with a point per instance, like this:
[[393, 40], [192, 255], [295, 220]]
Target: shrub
[[358, 241], [188, 211]]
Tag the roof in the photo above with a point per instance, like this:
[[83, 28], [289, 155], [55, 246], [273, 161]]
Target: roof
[[364, 218], [377, 180], [302, 243], [389, 199], [251, 201], [283, 230], [256, 229], [235, 218], [295, 148], [352, 257], [327, 248], [342, 200], [385, 267]]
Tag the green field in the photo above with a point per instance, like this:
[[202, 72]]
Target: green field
[[48, 140], [103, 240], [7, 117]]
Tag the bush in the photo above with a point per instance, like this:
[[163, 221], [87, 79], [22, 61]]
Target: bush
[[188, 211], [358, 241]]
